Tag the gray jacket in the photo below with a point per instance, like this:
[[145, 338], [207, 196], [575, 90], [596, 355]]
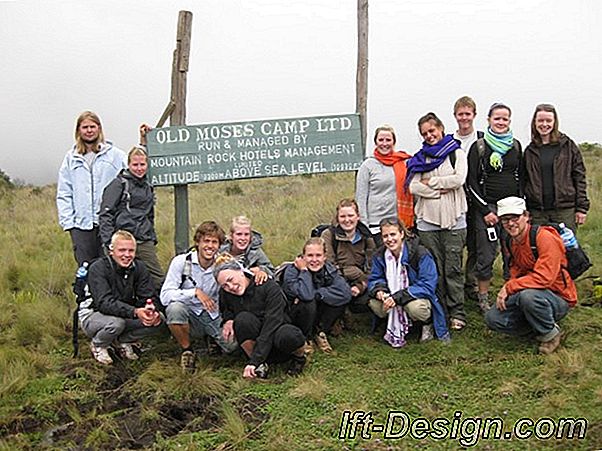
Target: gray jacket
[[254, 257], [375, 192]]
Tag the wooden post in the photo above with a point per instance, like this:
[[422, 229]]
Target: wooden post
[[361, 79], [178, 117]]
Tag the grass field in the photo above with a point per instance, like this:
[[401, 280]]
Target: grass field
[[48, 400]]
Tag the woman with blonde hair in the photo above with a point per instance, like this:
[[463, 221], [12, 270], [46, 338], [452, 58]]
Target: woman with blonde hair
[[128, 203], [317, 292]]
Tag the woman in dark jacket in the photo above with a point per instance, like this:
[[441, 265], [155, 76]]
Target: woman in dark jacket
[[317, 291], [554, 181], [256, 317], [128, 203], [494, 172]]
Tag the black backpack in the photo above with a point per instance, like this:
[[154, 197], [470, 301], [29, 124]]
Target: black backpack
[[577, 260], [82, 293]]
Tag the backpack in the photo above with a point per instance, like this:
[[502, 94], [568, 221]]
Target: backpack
[[577, 260], [318, 230], [453, 157]]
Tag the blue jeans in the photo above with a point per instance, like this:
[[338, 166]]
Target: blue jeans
[[530, 310], [200, 325]]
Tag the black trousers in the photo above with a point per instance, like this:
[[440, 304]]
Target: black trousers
[[86, 245], [315, 316], [285, 340]]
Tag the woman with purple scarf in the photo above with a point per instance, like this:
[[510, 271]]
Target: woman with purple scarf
[[436, 176]]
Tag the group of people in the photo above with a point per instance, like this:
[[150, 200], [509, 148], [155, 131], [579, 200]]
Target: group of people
[[395, 251], [453, 193]]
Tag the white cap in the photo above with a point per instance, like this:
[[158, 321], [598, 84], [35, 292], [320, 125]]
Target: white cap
[[511, 206]]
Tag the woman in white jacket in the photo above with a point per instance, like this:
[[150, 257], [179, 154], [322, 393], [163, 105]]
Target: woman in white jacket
[[436, 176]]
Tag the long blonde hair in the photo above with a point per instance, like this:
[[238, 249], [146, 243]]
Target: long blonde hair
[[80, 146]]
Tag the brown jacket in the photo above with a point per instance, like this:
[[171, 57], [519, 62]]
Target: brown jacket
[[569, 177], [353, 260], [547, 272]]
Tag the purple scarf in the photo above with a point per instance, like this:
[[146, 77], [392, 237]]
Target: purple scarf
[[430, 157]]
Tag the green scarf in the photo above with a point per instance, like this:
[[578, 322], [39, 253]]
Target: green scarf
[[500, 144]]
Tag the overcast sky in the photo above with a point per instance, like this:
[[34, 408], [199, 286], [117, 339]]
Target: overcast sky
[[265, 59]]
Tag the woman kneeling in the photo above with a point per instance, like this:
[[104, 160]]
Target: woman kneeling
[[255, 316], [403, 283]]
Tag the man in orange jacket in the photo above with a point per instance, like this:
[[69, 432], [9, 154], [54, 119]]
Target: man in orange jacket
[[539, 292]]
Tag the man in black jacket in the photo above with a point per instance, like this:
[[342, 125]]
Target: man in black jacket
[[119, 312]]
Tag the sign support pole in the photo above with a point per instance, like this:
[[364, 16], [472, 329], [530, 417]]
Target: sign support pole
[[178, 117], [361, 79]]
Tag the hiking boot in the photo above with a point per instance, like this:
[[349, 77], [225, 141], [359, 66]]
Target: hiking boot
[[322, 343], [427, 333], [262, 370], [187, 361], [296, 366], [548, 347], [484, 303], [457, 324], [101, 354], [125, 350], [308, 348]]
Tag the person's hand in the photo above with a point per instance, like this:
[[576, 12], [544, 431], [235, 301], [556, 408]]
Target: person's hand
[[206, 301], [580, 218], [228, 331], [260, 276], [490, 219], [249, 372], [388, 303], [424, 181], [300, 263], [143, 130], [500, 302], [444, 191], [355, 291], [148, 317], [381, 295]]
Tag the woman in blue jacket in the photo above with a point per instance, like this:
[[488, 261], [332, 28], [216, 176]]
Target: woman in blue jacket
[[317, 291], [403, 281]]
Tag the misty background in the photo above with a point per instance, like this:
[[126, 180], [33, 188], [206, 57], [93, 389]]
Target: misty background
[[267, 59]]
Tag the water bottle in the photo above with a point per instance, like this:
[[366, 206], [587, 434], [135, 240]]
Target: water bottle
[[150, 306], [82, 271], [80, 283], [568, 237]]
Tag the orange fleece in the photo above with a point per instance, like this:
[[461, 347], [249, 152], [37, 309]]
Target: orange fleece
[[548, 272]]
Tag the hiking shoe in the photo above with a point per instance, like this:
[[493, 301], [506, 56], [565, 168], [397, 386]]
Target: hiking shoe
[[548, 347], [427, 333], [484, 303], [296, 366], [101, 354], [457, 324], [187, 361], [308, 348], [125, 350], [262, 370], [322, 343]]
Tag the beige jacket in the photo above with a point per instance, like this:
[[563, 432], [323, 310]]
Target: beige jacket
[[434, 207]]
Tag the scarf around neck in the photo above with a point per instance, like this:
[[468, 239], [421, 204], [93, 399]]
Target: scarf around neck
[[405, 203], [500, 144], [430, 157], [398, 322]]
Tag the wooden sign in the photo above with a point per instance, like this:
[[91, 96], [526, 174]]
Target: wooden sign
[[238, 150]]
